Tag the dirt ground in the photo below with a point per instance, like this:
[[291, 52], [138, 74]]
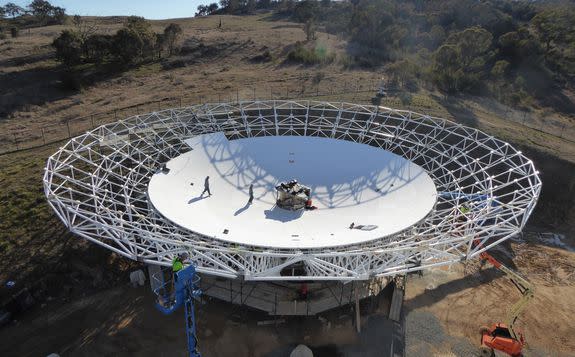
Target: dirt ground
[[122, 321], [465, 297], [443, 311]]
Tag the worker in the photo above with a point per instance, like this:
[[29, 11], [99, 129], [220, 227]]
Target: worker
[[251, 192], [177, 263], [303, 292], [207, 186], [464, 209]]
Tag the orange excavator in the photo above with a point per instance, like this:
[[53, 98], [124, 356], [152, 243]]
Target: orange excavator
[[502, 336]]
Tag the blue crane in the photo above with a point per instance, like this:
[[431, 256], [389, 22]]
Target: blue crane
[[181, 289]]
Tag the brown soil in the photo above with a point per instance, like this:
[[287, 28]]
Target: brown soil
[[464, 298]]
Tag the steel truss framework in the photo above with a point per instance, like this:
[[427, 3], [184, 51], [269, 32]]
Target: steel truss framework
[[97, 185]]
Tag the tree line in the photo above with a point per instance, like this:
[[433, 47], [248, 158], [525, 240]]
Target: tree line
[[515, 50], [134, 43], [37, 13]]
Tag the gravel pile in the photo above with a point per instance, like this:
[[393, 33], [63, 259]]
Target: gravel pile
[[423, 326], [425, 337]]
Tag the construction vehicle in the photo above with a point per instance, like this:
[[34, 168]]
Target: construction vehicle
[[503, 336], [177, 289]]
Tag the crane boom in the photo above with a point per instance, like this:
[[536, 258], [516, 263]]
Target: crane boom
[[522, 284]]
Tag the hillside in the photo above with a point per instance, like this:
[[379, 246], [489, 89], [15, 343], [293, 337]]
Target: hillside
[[224, 64], [226, 57]]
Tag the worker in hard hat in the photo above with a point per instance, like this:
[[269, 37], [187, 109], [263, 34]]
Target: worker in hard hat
[[177, 263]]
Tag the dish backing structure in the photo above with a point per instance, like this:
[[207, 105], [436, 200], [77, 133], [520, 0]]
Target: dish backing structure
[[97, 184]]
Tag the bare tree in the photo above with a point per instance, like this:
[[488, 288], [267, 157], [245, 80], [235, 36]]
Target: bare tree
[[310, 29], [171, 35], [84, 29]]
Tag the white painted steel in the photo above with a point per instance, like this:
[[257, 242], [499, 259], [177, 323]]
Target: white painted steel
[[97, 184], [350, 182]]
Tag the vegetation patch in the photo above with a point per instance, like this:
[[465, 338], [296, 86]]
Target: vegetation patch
[[310, 56]]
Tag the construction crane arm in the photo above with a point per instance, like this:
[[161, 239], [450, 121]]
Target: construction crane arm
[[522, 284]]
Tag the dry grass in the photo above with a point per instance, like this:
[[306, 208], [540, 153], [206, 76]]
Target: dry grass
[[29, 78]]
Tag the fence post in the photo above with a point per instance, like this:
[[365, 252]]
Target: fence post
[[115, 114], [562, 130], [15, 141], [68, 126], [43, 137], [237, 95], [254, 94], [92, 120]]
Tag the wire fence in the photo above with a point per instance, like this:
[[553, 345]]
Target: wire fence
[[358, 92]]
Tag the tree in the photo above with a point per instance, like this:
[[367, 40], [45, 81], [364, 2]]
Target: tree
[[212, 7], [13, 10], [97, 47], [171, 35], [499, 69], [250, 6], [553, 27], [437, 34], [305, 10], [58, 15], [520, 47], [224, 3], [264, 4], [310, 29], [84, 29], [46, 13], [445, 66], [135, 41], [230, 6], [202, 10], [41, 9], [68, 47], [472, 43]]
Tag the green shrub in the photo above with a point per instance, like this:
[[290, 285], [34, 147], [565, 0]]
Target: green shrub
[[318, 55], [68, 47], [405, 98]]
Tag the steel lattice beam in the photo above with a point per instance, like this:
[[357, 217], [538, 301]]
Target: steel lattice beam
[[97, 183]]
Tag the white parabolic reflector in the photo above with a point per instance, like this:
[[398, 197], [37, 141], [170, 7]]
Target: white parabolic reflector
[[350, 182]]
